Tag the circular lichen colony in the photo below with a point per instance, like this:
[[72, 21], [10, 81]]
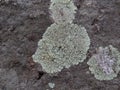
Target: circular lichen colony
[[62, 45], [105, 64], [63, 12]]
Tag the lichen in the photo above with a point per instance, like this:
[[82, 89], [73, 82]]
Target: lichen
[[51, 85], [105, 64], [62, 45], [63, 12], [60, 1]]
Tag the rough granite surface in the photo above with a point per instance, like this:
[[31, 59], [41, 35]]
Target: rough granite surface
[[22, 24]]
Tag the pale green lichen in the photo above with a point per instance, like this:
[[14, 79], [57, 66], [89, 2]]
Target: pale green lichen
[[51, 85], [63, 12], [105, 64], [60, 1], [62, 45]]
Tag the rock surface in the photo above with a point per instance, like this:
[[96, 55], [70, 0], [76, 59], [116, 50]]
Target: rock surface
[[22, 24]]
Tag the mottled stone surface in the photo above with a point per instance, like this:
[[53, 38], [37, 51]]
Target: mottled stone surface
[[22, 24]]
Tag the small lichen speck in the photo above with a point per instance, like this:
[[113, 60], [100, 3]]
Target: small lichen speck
[[51, 85]]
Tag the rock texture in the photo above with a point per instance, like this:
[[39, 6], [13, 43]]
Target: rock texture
[[22, 24]]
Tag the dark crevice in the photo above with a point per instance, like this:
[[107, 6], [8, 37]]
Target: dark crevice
[[94, 21], [40, 74], [78, 6]]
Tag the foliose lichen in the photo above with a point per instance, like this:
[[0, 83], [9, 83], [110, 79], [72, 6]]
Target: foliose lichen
[[60, 1], [63, 12], [62, 45], [105, 64]]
